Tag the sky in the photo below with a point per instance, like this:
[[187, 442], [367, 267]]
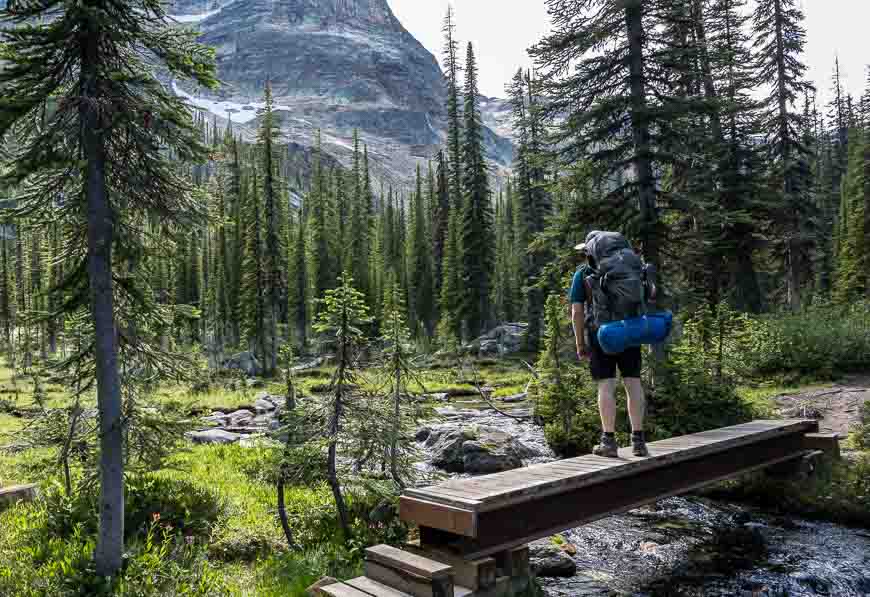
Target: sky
[[502, 30]]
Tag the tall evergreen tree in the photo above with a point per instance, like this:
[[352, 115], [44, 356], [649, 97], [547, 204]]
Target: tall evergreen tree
[[83, 57], [454, 115], [608, 108], [853, 262], [273, 250], [477, 226], [253, 294], [440, 219], [298, 286], [780, 39]]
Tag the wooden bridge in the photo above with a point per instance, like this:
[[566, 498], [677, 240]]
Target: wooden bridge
[[474, 532]]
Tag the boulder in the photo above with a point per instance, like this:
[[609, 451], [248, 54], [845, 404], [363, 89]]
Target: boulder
[[217, 418], [481, 450], [240, 417], [480, 459], [548, 561], [245, 362], [447, 450], [264, 405], [507, 338], [422, 434], [521, 397], [214, 436]]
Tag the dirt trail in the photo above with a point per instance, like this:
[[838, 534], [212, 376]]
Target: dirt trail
[[838, 407]]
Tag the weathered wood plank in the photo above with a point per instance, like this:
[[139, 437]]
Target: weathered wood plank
[[502, 489], [441, 516], [374, 589], [398, 559]]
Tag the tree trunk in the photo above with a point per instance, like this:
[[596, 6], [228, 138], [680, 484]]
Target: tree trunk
[[334, 426], [394, 443], [110, 543], [792, 265], [640, 129]]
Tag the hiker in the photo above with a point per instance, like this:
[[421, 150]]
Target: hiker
[[591, 307]]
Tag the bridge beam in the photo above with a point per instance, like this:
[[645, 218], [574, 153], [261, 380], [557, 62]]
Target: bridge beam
[[502, 529]]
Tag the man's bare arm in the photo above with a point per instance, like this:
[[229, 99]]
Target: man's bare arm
[[578, 318]]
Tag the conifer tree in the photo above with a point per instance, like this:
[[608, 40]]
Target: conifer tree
[[780, 38], [321, 260], [533, 204], [399, 369], [342, 317], [604, 99], [360, 222], [853, 260], [477, 226], [440, 219], [88, 56], [420, 264], [298, 287], [450, 299], [454, 116], [253, 292], [272, 246], [6, 292]]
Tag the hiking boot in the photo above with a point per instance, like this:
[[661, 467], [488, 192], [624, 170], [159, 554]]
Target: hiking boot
[[607, 448], [638, 447]]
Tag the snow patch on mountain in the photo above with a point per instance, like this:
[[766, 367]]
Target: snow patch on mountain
[[194, 18], [238, 113]]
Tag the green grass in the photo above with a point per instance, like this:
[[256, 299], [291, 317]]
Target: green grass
[[246, 548]]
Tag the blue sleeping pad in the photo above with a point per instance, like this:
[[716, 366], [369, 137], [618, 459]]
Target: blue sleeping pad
[[652, 328]]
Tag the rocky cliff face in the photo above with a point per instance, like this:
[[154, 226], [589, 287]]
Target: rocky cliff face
[[337, 65]]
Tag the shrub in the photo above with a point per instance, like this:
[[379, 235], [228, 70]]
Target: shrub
[[838, 492], [34, 561], [187, 508], [569, 411], [688, 398], [822, 341], [861, 434]]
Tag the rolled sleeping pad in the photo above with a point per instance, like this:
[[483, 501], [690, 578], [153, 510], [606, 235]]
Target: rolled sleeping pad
[[652, 328]]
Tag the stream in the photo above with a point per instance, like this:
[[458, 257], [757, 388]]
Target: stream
[[687, 546]]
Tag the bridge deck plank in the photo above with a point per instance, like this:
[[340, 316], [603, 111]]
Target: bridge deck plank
[[481, 494]]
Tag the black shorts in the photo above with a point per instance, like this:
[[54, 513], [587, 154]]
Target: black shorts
[[603, 365]]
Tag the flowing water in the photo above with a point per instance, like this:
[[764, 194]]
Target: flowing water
[[691, 546]]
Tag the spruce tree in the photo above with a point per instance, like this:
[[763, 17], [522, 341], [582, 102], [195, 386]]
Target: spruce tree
[[420, 264], [477, 226], [454, 115], [342, 318], [272, 246], [450, 299], [398, 368], [82, 58], [440, 219], [854, 259], [298, 286], [780, 39], [321, 262], [253, 291], [604, 97]]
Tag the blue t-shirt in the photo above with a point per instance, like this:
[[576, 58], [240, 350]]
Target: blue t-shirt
[[578, 288]]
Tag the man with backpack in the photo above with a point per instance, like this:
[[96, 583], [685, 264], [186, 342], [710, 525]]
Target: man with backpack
[[611, 287]]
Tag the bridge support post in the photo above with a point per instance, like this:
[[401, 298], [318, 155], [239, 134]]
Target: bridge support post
[[505, 574]]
